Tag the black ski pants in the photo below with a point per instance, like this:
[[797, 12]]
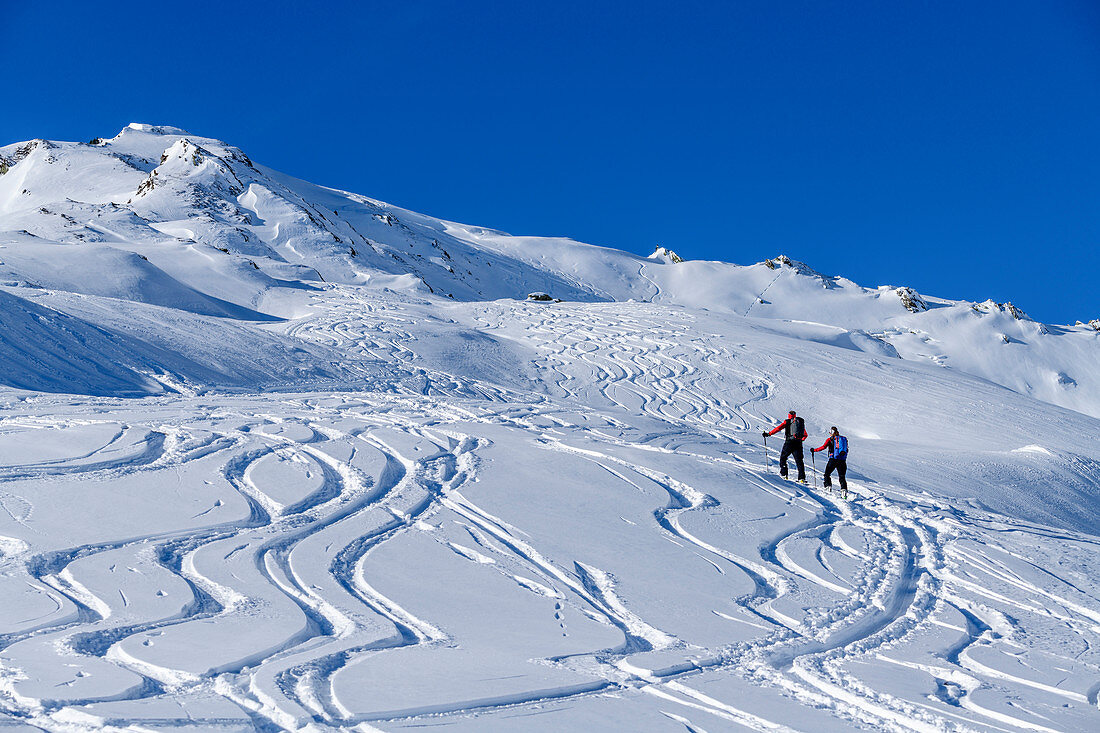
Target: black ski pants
[[792, 448], [841, 466]]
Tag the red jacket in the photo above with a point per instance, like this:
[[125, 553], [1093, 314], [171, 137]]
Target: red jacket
[[783, 425]]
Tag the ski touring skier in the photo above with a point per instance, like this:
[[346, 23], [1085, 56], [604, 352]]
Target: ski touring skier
[[794, 432], [837, 445]]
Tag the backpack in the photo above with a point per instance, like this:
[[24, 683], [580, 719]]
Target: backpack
[[840, 447], [795, 428]]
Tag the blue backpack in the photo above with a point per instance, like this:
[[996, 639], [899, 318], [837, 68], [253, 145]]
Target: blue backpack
[[840, 447]]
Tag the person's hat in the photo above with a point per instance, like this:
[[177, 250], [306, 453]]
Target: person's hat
[[790, 414]]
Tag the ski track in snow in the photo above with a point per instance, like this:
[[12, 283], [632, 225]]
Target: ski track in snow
[[282, 576]]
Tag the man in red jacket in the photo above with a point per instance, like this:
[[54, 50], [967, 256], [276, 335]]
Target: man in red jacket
[[794, 432]]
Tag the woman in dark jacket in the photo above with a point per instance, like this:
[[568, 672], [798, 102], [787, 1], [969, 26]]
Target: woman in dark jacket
[[838, 458]]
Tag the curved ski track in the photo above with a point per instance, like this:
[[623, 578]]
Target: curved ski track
[[384, 465]]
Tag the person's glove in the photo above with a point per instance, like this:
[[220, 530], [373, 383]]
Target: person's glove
[[765, 433]]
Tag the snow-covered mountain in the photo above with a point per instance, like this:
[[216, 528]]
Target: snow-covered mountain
[[157, 216], [274, 455]]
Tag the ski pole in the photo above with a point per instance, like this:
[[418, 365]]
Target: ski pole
[[767, 468], [813, 460]]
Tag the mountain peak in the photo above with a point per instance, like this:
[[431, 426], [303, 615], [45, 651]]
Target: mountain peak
[[664, 254], [154, 129], [991, 306], [781, 261], [911, 299]]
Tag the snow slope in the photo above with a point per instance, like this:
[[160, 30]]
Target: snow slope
[[274, 456], [158, 216]]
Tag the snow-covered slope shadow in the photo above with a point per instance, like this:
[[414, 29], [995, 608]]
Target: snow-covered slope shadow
[[42, 349], [57, 342]]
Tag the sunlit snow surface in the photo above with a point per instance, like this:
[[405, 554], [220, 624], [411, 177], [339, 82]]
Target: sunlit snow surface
[[274, 456], [610, 553]]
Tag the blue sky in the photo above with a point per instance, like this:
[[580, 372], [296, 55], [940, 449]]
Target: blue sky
[[950, 146]]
